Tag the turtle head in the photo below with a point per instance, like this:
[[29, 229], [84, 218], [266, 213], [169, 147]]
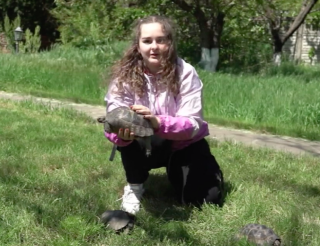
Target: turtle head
[[101, 119]]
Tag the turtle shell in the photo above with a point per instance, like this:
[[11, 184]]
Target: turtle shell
[[117, 220], [124, 117], [261, 235]]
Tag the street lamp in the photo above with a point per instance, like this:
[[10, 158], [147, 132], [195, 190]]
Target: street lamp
[[18, 34]]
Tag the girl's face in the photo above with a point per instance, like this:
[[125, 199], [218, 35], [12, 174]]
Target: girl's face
[[152, 43]]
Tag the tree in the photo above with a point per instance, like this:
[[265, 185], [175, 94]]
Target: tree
[[33, 13], [94, 23], [210, 17], [275, 16]]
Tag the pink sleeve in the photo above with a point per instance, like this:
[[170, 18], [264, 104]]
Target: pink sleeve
[[112, 137], [188, 118], [175, 128], [114, 100]]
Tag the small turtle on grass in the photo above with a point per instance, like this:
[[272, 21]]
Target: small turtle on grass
[[124, 117], [118, 220], [261, 235]]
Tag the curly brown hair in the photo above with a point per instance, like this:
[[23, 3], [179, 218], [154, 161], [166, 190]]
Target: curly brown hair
[[130, 69]]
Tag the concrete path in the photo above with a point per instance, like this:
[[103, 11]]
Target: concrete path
[[281, 143]]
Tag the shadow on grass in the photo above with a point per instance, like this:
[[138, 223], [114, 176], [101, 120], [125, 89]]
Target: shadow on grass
[[227, 189], [294, 236], [167, 214], [165, 219], [162, 201], [297, 232], [57, 200]]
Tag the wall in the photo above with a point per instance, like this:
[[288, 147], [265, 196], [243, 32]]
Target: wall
[[300, 43]]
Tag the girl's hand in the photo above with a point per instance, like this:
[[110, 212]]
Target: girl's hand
[[140, 109], [125, 134]]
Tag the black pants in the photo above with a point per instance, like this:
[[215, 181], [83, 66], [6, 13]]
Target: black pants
[[193, 171]]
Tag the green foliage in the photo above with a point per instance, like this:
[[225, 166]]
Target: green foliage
[[311, 53], [32, 41], [97, 23], [82, 23], [245, 40], [245, 44], [123, 21], [9, 27], [32, 12], [94, 23], [313, 19]]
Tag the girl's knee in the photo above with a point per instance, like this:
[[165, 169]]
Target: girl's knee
[[208, 189]]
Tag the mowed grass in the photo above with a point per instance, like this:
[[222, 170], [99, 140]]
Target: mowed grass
[[56, 180], [283, 101]]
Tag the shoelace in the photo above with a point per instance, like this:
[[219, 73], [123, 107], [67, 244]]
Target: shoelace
[[130, 192]]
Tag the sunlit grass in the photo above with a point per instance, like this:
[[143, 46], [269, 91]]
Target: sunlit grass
[[282, 101], [56, 180], [282, 105]]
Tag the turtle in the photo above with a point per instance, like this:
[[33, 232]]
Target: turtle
[[124, 117], [259, 234], [118, 220]]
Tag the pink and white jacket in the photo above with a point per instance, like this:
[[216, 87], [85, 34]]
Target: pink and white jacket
[[181, 118]]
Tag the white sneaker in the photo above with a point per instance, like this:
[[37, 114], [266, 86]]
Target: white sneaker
[[131, 198]]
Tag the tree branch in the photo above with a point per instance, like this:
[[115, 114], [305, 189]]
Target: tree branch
[[183, 5], [196, 11], [305, 10], [314, 11]]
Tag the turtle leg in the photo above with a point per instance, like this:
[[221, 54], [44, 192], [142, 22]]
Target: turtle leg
[[145, 142], [277, 242], [148, 147], [107, 127], [113, 152]]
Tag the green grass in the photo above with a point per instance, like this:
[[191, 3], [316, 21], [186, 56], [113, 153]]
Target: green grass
[[56, 180], [282, 101], [284, 105]]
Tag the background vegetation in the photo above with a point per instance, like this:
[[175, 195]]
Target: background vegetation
[[280, 100], [248, 91], [246, 39]]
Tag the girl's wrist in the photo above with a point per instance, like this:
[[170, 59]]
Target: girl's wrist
[[157, 123]]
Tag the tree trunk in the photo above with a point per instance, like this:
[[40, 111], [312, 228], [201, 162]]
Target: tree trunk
[[278, 42], [210, 36], [277, 46], [277, 58], [206, 43]]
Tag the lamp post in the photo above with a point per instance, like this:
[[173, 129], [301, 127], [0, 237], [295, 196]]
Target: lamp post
[[18, 33]]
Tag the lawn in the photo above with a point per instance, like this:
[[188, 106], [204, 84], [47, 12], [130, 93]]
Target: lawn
[[56, 180], [283, 101]]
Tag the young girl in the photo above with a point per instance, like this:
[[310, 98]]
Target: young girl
[[153, 81]]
